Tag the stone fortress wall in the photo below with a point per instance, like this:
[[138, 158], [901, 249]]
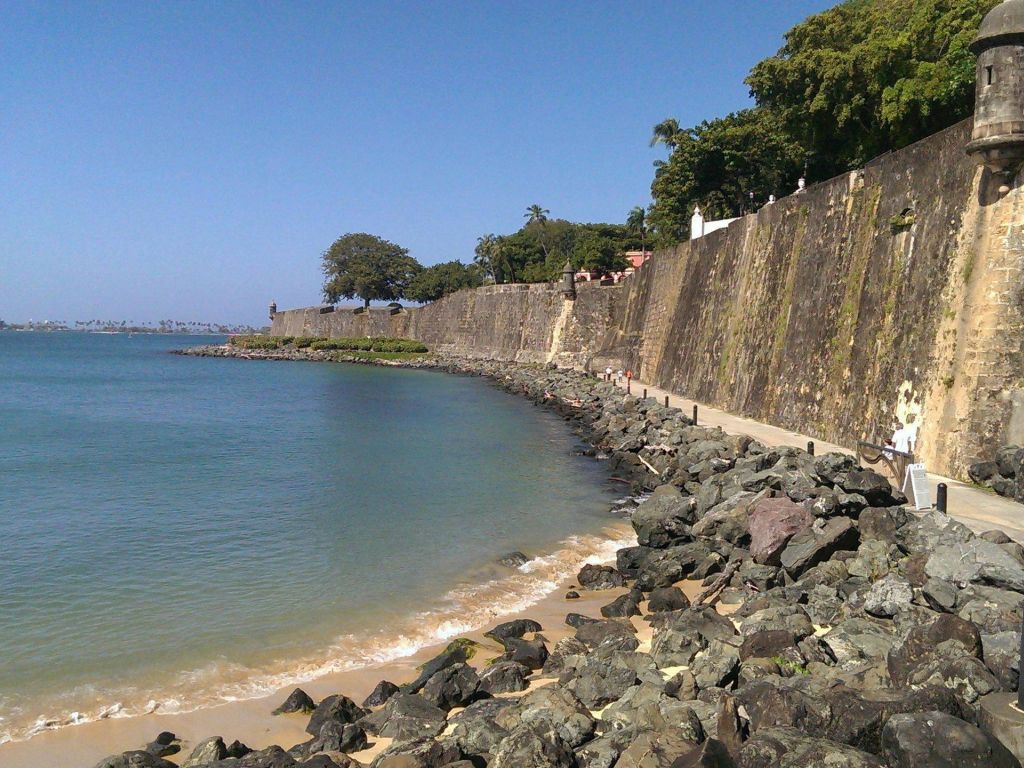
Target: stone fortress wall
[[894, 292]]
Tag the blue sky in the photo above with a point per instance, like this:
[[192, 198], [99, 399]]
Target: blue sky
[[192, 160]]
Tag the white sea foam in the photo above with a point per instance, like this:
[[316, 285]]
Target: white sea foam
[[463, 609]]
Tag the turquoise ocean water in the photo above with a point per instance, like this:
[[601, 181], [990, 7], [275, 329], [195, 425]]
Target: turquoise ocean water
[[177, 531]]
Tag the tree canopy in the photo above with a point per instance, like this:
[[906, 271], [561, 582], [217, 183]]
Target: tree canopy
[[538, 251], [367, 266], [850, 83], [439, 280]]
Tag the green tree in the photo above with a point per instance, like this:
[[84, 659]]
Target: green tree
[[535, 214], [636, 222], [868, 76], [439, 280], [363, 265], [597, 253], [666, 132], [484, 254], [717, 165]]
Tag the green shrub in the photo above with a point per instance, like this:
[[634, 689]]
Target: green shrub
[[366, 345], [257, 342]]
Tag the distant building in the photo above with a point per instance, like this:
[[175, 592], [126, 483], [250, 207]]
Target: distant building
[[638, 258]]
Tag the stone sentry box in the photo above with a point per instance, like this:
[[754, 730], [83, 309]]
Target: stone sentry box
[[998, 137]]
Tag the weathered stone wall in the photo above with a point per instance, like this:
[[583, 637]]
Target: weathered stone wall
[[523, 323], [888, 294], [895, 292]]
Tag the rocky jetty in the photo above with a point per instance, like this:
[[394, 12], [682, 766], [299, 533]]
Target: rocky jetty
[[826, 624]]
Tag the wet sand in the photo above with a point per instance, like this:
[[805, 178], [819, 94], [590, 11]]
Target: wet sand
[[250, 721]]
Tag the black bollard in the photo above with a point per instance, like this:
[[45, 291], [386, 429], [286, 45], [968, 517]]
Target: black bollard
[[695, 414], [645, 393], [1020, 688], [666, 401], [941, 497], [810, 447], [628, 381]]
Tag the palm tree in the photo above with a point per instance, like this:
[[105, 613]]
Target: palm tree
[[536, 214], [637, 222], [667, 132], [486, 249]]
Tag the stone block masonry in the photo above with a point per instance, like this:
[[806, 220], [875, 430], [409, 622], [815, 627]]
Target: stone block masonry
[[894, 292]]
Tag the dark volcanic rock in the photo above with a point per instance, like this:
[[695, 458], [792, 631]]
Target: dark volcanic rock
[[271, 757], [769, 643], [938, 740], [453, 686], [604, 751], [457, 652], [297, 701], [888, 596], [526, 746], [515, 628], [623, 606], [134, 759], [814, 545], [873, 487], [947, 636], [717, 666], [564, 655], [333, 737], [664, 568], [1002, 657], [381, 693], [207, 751], [629, 559], [513, 559], [685, 635], [608, 633], [338, 708], [505, 677], [711, 754], [598, 683], [982, 471], [841, 714], [664, 518], [474, 729], [551, 708], [405, 716], [789, 748], [667, 599], [976, 561], [577, 620], [417, 753], [656, 749], [595, 577], [530, 653]]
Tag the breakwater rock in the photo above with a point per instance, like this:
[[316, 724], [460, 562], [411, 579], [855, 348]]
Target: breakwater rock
[[820, 622], [1004, 474]]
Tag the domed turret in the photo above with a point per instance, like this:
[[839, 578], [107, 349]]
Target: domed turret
[[998, 138]]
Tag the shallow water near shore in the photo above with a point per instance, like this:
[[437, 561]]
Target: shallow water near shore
[[179, 532]]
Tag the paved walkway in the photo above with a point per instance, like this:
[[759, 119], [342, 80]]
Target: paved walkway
[[979, 510]]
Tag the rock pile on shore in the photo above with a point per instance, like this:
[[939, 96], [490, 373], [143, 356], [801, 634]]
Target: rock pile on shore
[[833, 627], [1004, 474]]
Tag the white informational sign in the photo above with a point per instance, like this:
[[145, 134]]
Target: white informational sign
[[917, 481]]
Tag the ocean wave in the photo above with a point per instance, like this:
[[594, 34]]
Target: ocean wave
[[461, 610]]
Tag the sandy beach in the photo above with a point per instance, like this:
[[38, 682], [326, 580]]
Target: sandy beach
[[250, 721]]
